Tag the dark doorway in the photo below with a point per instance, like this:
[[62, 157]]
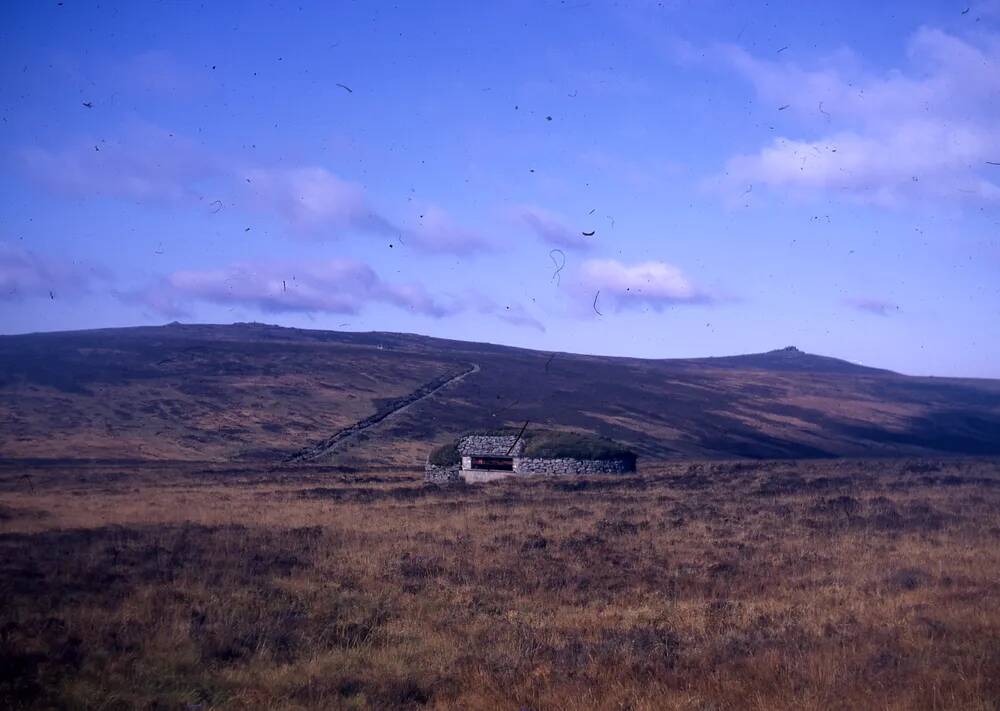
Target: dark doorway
[[505, 464]]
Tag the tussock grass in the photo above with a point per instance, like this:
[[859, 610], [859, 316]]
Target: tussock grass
[[689, 586]]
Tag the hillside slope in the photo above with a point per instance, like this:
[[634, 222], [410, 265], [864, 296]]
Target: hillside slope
[[251, 391]]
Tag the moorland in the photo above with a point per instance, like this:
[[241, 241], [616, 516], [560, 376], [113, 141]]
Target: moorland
[[226, 517], [716, 585]]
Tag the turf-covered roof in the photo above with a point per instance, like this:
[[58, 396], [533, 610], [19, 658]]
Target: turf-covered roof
[[552, 444], [445, 456]]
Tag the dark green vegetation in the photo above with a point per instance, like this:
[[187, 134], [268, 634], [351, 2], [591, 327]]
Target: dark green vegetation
[[445, 456], [729, 585], [252, 392], [547, 443]]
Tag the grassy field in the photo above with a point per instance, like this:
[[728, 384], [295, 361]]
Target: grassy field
[[783, 585]]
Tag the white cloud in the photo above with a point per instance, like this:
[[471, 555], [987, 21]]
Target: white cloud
[[143, 163], [517, 315], [927, 131], [654, 284], [551, 228], [335, 286], [512, 312], [150, 165], [879, 307], [436, 231], [312, 199], [315, 201], [26, 274], [342, 286], [919, 159]]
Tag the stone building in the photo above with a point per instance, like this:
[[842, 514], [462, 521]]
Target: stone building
[[486, 456]]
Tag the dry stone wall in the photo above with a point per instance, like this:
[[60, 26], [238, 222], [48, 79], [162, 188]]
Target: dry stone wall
[[532, 466], [491, 446], [562, 466], [510, 446], [442, 474]]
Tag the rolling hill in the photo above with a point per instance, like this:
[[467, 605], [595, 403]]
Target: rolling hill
[[253, 392]]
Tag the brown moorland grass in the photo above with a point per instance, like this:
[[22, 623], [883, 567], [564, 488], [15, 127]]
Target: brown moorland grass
[[774, 585]]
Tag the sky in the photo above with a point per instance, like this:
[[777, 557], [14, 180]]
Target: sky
[[650, 179]]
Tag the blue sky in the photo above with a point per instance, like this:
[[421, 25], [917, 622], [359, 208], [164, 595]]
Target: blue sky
[[779, 174]]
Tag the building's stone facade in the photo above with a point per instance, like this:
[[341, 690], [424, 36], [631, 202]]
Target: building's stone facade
[[491, 446], [511, 446], [537, 465], [442, 475], [478, 476]]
